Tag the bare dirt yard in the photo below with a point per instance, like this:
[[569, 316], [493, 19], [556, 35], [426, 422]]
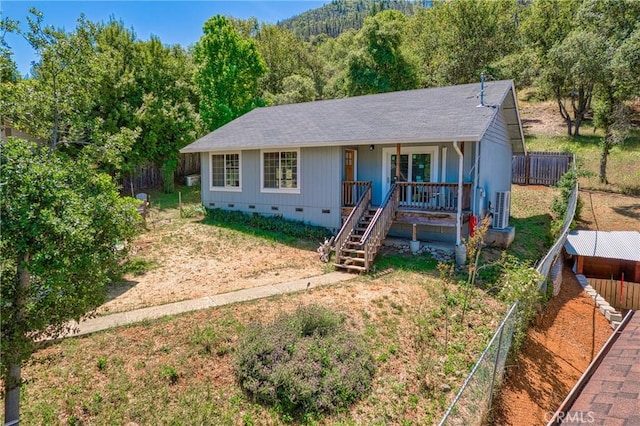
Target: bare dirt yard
[[187, 259], [609, 212]]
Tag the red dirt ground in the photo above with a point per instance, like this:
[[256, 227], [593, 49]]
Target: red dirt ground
[[555, 353]]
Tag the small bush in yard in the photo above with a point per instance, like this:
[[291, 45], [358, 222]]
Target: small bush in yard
[[304, 363]]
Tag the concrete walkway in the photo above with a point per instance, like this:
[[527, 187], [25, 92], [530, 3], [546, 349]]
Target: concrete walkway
[[124, 318]]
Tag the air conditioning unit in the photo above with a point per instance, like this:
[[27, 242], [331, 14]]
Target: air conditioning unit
[[501, 210], [192, 180]]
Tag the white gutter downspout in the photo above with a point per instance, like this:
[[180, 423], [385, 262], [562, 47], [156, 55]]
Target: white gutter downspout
[[476, 186], [460, 176]]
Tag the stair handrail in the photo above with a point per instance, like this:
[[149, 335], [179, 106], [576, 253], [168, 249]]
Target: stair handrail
[[352, 220], [379, 226]]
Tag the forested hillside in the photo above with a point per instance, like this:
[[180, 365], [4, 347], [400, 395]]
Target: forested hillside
[[135, 101], [340, 15]]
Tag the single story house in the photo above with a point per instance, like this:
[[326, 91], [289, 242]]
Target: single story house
[[605, 254], [420, 163]]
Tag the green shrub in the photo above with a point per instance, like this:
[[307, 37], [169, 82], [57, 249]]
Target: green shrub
[[101, 364], [520, 282], [195, 210], [169, 373], [560, 203], [275, 223], [304, 363]]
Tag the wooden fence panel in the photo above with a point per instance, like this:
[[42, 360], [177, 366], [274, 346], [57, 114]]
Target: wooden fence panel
[[539, 168], [189, 164], [610, 291], [149, 175]]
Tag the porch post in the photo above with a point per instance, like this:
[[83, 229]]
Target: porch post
[[459, 203], [397, 162]]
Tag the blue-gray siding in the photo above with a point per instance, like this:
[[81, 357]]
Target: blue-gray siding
[[318, 203], [322, 171], [495, 156]]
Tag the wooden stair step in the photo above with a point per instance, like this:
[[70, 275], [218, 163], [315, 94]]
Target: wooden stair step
[[355, 251], [343, 260], [350, 267]]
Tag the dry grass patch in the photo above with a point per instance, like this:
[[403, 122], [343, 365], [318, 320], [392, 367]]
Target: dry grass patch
[[188, 258], [180, 370]]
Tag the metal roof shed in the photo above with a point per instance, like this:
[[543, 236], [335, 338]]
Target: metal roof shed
[[606, 254]]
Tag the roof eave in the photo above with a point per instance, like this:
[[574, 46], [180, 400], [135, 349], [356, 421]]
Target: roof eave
[[460, 138], [515, 143]]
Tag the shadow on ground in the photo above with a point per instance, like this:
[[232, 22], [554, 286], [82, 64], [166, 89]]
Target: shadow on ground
[[632, 210], [116, 290]]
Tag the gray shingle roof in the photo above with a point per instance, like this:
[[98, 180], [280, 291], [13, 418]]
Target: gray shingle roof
[[426, 115], [623, 245]]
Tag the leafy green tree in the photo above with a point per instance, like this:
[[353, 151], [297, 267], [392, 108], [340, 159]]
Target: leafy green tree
[[381, 65], [575, 65], [229, 67], [116, 92], [335, 53], [544, 23], [167, 115], [8, 69], [146, 87], [539, 25], [285, 56], [456, 41], [61, 83], [616, 22], [63, 224], [295, 89], [8, 72], [626, 63]]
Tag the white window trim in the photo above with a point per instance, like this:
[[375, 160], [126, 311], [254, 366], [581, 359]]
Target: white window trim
[[280, 190], [225, 188]]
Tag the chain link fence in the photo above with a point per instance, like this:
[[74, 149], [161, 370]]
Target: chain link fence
[[473, 400]]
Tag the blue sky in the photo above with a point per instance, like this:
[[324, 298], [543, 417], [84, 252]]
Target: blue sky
[[175, 22]]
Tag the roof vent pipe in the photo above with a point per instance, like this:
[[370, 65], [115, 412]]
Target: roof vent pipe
[[482, 78]]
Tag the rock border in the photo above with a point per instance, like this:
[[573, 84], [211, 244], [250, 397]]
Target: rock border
[[610, 313], [438, 253]]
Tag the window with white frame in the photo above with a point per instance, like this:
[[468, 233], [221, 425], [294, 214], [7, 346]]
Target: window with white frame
[[280, 171], [225, 171]]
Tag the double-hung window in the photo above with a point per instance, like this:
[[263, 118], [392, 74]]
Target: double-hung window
[[281, 171], [225, 171]]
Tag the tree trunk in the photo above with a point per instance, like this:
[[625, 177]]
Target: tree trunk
[[13, 380], [576, 132], [564, 113], [603, 159], [12, 394]]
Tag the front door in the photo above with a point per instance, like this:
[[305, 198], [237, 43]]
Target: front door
[[349, 164], [417, 164]]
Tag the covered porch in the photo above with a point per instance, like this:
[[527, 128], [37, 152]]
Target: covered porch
[[420, 203], [365, 226]]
